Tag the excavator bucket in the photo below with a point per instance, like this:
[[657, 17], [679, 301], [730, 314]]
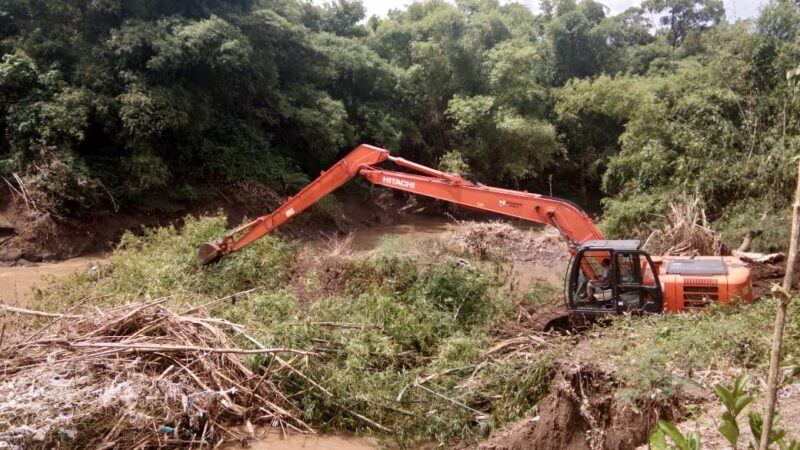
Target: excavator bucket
[[208, 253]]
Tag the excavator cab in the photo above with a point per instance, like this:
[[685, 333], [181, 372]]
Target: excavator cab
[[628, 284]]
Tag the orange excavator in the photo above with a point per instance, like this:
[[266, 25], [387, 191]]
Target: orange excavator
[[605, 277]]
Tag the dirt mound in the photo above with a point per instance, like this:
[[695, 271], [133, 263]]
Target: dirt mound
[[135, 376], [581, 412], [488, 239], [765, 276]]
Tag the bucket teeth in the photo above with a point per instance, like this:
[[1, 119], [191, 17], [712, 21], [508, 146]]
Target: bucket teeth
[[209, 252]]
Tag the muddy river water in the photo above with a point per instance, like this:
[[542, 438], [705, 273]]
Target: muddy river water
[[17, 283]]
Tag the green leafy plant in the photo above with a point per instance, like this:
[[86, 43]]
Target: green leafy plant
[[777, 435], [735, 400], [664, 430]]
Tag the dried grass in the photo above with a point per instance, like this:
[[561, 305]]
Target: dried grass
[[685, 232], [337, 246], [136, 376]]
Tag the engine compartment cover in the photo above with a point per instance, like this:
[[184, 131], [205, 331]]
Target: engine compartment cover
[[697, 267]]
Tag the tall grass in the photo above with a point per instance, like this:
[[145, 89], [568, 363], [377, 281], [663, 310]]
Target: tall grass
[[162, 262], [658, 355]]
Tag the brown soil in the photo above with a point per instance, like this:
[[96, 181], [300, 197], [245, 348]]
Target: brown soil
[[581, 412], [33, 236], [766, 275]]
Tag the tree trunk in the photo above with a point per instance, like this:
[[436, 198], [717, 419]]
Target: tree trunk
[[780, 320]]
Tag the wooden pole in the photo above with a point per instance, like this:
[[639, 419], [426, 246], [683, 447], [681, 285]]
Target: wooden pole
[[783, 300]]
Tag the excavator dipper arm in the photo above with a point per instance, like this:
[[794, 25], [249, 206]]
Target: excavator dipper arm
[[569, 219], [327, 182]]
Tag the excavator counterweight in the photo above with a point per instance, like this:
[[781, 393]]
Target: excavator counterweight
[[606, 276]]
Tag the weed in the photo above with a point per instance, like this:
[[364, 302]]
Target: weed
[[162, 262], [735, 399], [658, 440], [391, 244], [540, 293]]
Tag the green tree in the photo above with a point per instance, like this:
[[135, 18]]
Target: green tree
[[682, 17]]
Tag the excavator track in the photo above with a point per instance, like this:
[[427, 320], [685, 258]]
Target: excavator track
[[553, 317]]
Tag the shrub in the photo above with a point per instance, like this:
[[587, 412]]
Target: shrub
[[540, 293], [392, 322], [162, 262]]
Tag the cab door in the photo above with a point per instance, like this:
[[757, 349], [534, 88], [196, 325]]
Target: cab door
[[636, 287], [585, 269]]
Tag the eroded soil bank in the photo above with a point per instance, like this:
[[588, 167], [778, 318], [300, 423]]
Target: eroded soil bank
[[582, 412]]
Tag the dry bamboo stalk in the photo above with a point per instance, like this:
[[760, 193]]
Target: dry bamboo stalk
[[451, 400], [366, 419], [359, 326], [31, 312], [141, 342], [168, 348], [129, 315], [195, 309]]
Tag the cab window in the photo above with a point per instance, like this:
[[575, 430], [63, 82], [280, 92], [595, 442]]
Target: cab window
[[628, 268], [593, 283]]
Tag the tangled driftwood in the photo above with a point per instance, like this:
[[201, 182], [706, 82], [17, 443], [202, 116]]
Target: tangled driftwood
[[685, 232], [136, 376]]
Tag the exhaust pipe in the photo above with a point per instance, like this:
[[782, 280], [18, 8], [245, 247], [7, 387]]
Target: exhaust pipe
[[209, 253]]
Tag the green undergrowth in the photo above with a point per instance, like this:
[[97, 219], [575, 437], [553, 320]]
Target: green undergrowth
[[161, 262], [770, 225], [656, 356], [376, 323], [541, 293]]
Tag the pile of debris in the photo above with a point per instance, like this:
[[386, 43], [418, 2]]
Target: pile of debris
[[685, 233], [136, 376], [491, 239]]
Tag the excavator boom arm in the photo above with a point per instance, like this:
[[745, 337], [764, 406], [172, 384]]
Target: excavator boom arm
[[570, 220]]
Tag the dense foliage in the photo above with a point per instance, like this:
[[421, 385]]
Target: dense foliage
[[107, 101]]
